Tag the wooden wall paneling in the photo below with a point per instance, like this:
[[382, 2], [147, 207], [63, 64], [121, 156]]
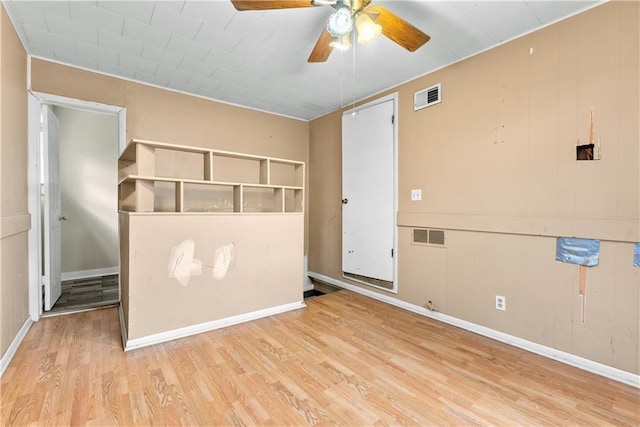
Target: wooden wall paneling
[[539, 293], [593, 337], [512, 128], [482, 148], [412, 268], [568, 131], [566, 301], [628, 197], [470, 275], [542, 180], [461, 124], [457, 296], [509, 259], [432, 172], [598, 77], [625, 310], [436, 276], [412, 147]]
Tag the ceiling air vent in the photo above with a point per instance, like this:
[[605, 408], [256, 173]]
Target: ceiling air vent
[[429, 237], [427, 97]]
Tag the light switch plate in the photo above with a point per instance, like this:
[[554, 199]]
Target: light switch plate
[[416, 194]]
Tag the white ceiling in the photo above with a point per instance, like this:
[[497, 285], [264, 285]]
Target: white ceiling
[[258, 59]]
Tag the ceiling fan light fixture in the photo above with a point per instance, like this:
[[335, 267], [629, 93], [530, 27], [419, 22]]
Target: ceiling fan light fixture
[[367, 29], [341, 43], [340, 22]]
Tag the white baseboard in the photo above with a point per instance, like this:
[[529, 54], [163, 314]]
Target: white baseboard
[[202, 327], [11, 351], [74, 275], [551, 353]]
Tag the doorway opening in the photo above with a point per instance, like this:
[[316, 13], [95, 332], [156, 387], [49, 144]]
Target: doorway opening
[[73, 242]]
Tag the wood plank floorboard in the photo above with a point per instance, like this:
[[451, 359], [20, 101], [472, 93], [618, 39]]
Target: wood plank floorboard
[[81, 294], [343, 360]]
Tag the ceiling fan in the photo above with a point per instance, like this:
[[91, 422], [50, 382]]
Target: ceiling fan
[[370, 21]]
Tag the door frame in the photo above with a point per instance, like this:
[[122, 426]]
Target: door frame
[[34, 101], [391, 97]]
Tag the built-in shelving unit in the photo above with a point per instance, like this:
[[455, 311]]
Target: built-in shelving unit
[[207, 237], [163, 177]]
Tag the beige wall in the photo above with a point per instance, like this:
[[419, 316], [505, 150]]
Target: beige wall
[[161, 115], [496, 164], [264, 273], [14, 218], [89, 195]]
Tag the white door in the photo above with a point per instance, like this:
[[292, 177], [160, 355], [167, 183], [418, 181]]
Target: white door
[[50, 145], [368, 209]]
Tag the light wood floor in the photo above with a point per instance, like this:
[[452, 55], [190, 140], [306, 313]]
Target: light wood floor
[[344, 360]]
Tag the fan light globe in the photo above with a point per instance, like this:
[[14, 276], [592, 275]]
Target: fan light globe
[[341, 43], [367, 29], [340, 23]]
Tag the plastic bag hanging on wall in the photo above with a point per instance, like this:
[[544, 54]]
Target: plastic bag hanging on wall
[[578, 251], [636, 255]]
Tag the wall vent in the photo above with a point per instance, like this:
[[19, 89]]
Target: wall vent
[[421, 235], [427, 97], [427, 236]]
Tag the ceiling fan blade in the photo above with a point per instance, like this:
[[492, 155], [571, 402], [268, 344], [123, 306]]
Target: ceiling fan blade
[[397, 29], [270, 4], [322, 49], [357, 5]]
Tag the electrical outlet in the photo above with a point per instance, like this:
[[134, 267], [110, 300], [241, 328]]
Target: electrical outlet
[[501, 303], [416, 194]]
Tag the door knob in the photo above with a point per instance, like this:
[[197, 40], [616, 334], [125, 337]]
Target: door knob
[[345, 201]]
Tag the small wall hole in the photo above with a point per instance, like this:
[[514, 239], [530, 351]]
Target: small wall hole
[[585, 152]]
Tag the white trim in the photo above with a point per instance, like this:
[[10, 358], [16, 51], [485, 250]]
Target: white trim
[[395, 98], [122, 130], [33, 197], [13, 347], [551, 353], [63, 101], [83, 274], [35, 100], [28, 72], [95, 107], [204, 327]]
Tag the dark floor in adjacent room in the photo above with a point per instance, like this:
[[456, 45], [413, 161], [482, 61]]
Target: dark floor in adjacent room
[[81, 294]]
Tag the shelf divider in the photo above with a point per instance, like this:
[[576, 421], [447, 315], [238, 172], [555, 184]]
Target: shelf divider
[[208, 166], [237, 198], [179, 196], [265, 171]]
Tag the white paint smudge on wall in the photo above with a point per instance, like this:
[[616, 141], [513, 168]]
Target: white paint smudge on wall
[[182, 265], [224, 260]]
